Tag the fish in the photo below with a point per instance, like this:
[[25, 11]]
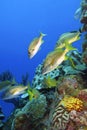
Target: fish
[[68, 38], [5, 84], [50, 58], [78, 13], [35, 45], [13, 92], [49, 82], [33, 93], [57, 57]]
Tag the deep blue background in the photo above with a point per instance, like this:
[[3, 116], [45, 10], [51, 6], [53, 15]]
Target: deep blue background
[[21, 21]]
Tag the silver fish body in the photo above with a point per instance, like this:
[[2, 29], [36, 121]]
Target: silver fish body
[[13, 92], [68, 38], [60, 57], [35, 45]]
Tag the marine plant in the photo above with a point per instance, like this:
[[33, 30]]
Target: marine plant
[[6, 75], [25, 79]]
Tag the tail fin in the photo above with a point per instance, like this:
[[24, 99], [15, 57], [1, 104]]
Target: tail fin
[[69, 47], [42, 34]]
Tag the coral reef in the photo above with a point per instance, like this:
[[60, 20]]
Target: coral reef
[[84, 57], [70, 84], [70, 110], [79, 118], [84, 44], [61, 101], [30, 115], [60, 118], [55, 108], [65, 69], [72, 103], [83, 18], [39, 78], [84, 49]]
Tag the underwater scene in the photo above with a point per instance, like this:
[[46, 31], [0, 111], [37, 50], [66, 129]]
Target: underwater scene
[[43, 65]]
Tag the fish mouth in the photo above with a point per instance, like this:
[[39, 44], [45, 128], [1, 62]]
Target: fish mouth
[[30, 56], [45, 71]]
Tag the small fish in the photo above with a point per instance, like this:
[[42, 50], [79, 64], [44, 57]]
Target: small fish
[[57, 57], [77, 13], [5, 84], [13, 92], [33, 93], [49, 82], [35, 45], [50, 58], [68, 38]]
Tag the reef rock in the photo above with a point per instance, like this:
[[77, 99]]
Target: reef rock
[[39, 77], [30, 115]]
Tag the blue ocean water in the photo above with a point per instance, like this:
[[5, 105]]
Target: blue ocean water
[[23, 20]]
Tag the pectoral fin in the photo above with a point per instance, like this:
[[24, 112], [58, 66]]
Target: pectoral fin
[[42, 41], [69, 47]]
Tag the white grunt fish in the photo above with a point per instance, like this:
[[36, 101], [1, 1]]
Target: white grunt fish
[[35, 45], [57, 57], [68, 38], [13, 92]]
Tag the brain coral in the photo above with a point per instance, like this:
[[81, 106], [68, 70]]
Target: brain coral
[[60, 118]]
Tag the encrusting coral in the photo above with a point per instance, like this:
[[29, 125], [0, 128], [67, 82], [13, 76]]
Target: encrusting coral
[[30, 115], [70, 109], [84, 57], [70, 85], [79, 118], [72, 103]]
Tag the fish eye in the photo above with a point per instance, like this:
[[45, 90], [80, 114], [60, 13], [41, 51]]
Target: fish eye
[[32, 49], [29, 52]]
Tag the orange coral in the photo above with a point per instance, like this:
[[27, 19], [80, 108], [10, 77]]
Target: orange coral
[[72, 103]]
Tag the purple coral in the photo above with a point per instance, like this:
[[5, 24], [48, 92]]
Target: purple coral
[[79, 118], [68, 85]]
